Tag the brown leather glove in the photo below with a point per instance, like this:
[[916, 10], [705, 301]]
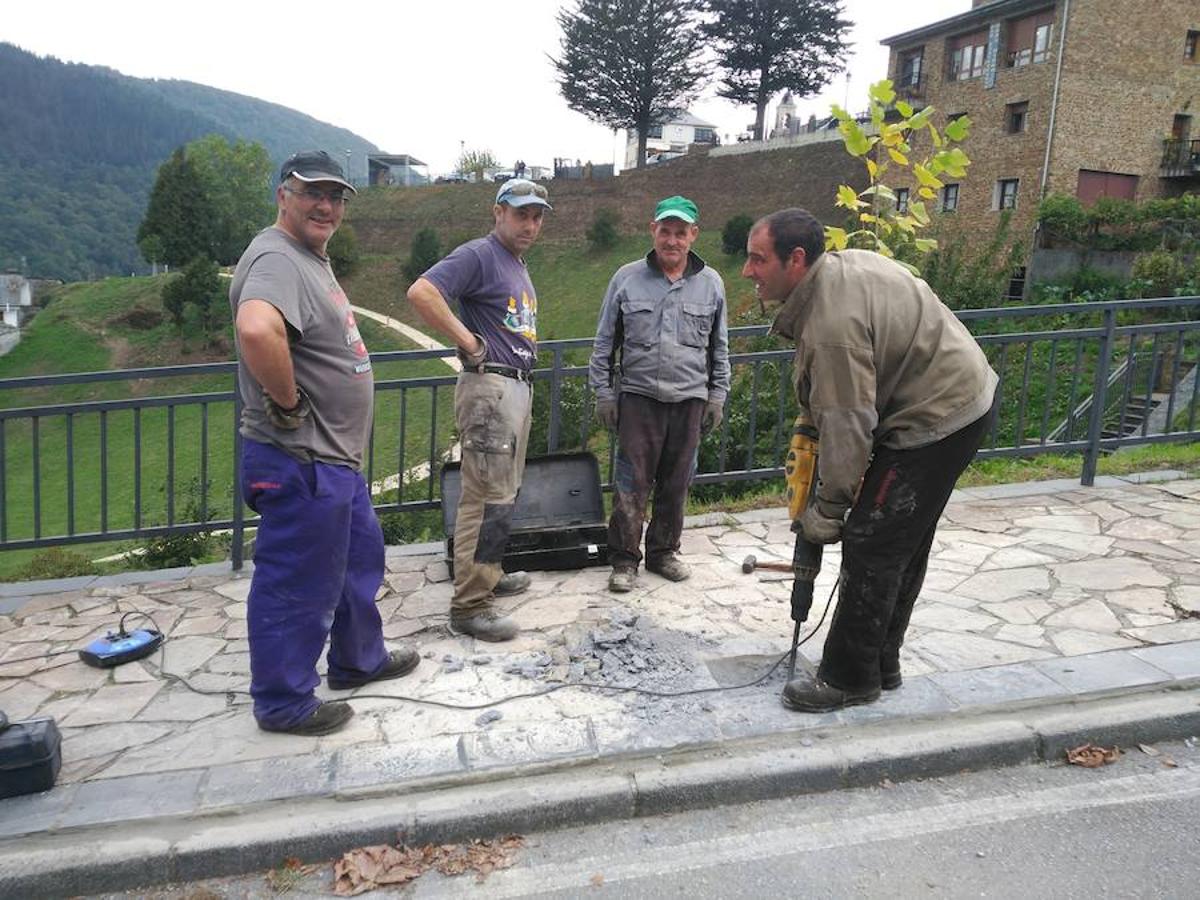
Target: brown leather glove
[[287, 419], [475, 358]]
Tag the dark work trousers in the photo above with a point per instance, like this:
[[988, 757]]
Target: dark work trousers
[[656, 449], [318, 563], [885, 548]]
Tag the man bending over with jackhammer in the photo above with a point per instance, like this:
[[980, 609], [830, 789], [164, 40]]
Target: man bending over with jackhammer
[[901, 396]]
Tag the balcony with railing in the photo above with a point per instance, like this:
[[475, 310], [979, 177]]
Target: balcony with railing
[[1181, 158], [910, 85]]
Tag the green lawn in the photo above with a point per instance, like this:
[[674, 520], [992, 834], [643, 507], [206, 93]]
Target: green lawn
[[120, 468]]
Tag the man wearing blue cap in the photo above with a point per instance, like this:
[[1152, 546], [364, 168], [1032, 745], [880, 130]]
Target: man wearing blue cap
[[496, 336], [308, 399], [660, 372]]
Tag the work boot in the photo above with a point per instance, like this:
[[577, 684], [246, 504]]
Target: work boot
[[485, 624], [622, 579], [810, 694], [670, 567], [326, 719], [399, 662], [889, 681], [511, 583]]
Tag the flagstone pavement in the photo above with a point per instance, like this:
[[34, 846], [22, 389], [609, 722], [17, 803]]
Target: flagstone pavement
[[1033, 590]]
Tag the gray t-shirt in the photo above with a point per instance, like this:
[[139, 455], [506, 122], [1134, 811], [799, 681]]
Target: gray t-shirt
[[495, 298], [330, 360]]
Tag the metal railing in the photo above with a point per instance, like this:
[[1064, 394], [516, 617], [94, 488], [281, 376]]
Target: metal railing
[[138, 454], [1180, 157]]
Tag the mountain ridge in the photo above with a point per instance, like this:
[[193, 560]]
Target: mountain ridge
[[80, 146]]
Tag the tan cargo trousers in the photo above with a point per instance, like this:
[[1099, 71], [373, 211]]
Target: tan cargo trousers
[[493, 414]]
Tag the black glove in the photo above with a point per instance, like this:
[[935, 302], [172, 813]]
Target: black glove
[[819, 528], [291, 418], [475, 358], [606, 412], [713, 413]]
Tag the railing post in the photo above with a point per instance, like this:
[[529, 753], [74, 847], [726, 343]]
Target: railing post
[[1099, 401], [239, 526], [555, 398]]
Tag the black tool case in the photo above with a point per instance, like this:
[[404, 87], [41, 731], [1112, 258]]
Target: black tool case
[[30, 756], [558, 522]]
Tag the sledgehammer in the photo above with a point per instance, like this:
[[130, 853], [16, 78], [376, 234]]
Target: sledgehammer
[[750, 563]]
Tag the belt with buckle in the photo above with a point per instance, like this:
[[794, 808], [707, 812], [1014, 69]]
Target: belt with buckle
[[506, 371]]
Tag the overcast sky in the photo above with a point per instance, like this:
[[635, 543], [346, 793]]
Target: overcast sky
[[424, 78]]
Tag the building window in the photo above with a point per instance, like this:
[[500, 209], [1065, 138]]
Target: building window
[[1189, 47], [910, 68], [705, 136], [1015, 115], [967, 55], [654, 132], [1029, 39], [1094, 185], [901, 200], [1016, 285], [949, 198], [1041, 43], [1006, 194]]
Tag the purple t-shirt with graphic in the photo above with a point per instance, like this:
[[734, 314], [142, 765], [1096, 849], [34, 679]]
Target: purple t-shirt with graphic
[[495, 298]]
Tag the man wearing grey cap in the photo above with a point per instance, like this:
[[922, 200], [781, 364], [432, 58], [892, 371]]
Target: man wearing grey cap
[[496, 336], [664, 317], [308, 398]]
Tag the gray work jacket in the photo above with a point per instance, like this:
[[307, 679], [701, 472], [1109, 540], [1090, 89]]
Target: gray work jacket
[[671, 335]]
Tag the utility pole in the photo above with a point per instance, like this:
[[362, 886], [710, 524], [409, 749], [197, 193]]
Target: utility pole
[[349, 177]]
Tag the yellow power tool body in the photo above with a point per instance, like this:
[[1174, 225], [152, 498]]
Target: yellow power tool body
[[800, 469]]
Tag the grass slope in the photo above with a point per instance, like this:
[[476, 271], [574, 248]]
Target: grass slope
[[127, 458]]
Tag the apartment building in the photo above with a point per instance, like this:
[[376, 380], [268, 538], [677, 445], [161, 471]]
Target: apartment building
[[1092, 98]]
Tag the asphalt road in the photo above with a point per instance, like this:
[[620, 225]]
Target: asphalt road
[[1129, 829]]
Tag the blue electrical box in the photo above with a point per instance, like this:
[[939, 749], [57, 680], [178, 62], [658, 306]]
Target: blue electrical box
[[115, 649]]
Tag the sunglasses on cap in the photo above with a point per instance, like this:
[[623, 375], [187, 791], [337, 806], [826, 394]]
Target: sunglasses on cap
[[524, 189]]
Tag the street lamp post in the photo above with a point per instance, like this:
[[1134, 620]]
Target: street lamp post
[[349, 177]]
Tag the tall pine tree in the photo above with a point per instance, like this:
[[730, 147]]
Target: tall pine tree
[[180, 218], [631, 63], [766, 46]]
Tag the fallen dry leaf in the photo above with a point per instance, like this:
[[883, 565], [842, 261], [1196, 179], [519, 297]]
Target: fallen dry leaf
[[597, 879], [1169, 763], [367, 868], [1148, 750], [1092, 757]]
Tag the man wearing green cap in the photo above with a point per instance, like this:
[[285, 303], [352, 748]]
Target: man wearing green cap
[[660, 371]]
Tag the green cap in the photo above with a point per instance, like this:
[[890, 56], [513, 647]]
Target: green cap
[[677, 208]]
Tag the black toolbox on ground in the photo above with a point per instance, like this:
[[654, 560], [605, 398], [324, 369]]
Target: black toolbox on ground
[[30, 756], [558, 522]]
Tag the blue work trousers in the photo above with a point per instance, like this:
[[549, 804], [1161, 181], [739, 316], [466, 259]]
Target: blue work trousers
[[318, 563]]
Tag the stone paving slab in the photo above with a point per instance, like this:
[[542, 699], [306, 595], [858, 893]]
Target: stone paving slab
[[1035, 592]]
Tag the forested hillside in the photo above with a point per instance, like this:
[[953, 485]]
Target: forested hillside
[[79, 146]]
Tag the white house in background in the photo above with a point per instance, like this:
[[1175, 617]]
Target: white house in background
[[15, 293], [671, 139]]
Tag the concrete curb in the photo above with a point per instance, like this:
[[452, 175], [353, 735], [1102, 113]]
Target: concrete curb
[[146, 852]]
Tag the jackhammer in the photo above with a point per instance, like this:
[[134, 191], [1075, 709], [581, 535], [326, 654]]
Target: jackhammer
[[800, 469]]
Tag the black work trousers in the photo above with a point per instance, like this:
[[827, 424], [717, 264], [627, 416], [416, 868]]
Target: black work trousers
[[656, 451], [885, 549]]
